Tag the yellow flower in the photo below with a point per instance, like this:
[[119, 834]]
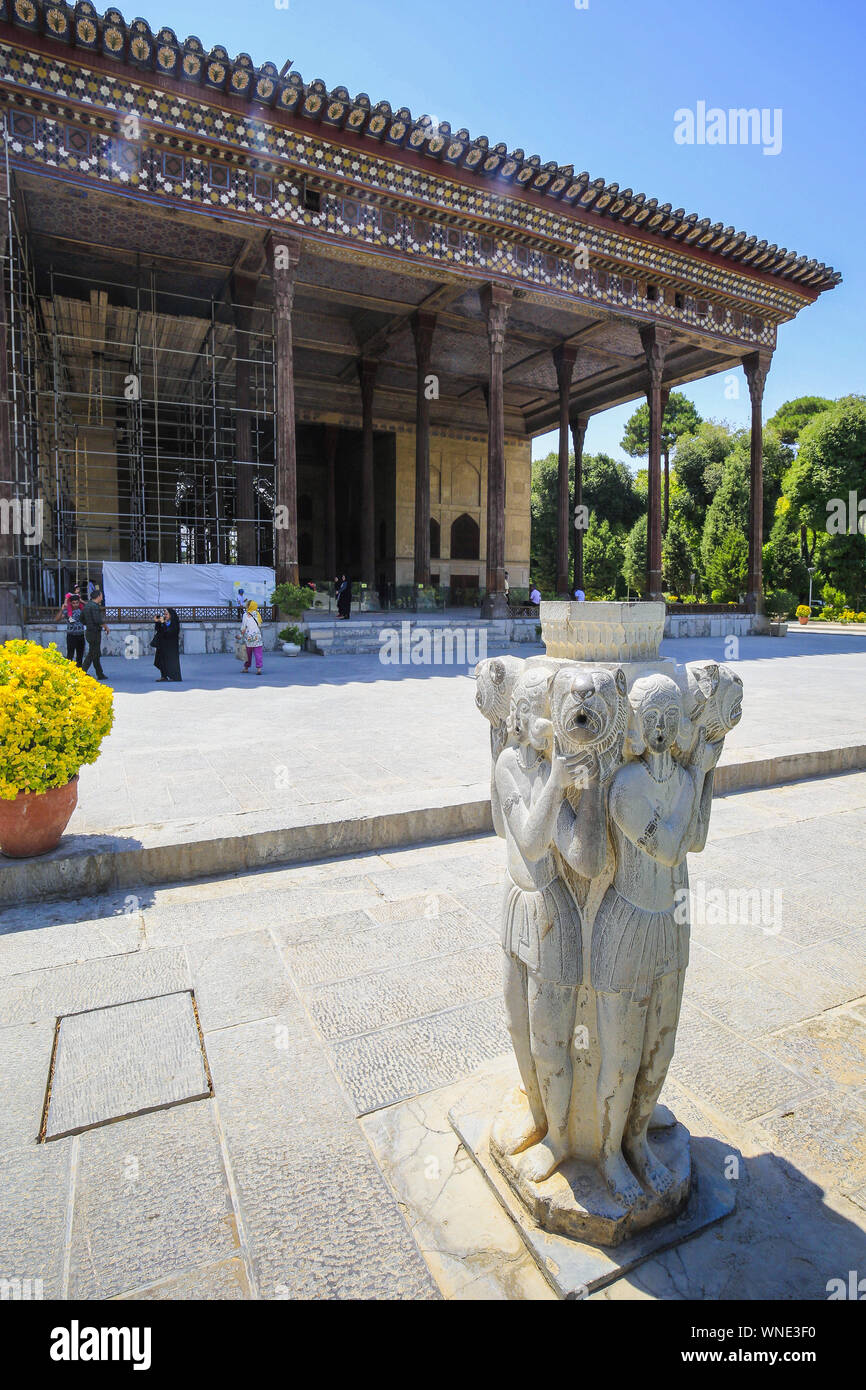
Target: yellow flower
[[53, 718]]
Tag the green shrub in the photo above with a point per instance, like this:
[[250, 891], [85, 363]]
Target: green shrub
[[293, 634], [780, 603], [293, 599]]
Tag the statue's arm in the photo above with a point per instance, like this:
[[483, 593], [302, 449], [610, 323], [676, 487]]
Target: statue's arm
[[663, 839], [581, 835], [532, 826]]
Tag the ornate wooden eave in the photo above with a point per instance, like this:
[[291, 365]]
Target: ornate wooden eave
[[511, 190]]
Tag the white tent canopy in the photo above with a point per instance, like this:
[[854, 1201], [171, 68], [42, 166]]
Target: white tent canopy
[[142, 584]]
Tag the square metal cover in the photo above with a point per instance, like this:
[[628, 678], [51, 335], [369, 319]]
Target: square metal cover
[[122, 1060]]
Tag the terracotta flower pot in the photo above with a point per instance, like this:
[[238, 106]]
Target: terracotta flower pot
[[803, 621], [34, 822]]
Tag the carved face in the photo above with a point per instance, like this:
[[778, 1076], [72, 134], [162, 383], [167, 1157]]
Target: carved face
[[494, 682], [529, 720], [728, 702], [585, 706], [657, 709]]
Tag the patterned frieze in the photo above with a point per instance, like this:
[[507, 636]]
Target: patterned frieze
[[379, 125], [258, 168]]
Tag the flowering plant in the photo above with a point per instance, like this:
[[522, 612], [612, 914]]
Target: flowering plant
[[803, 611], [53, 718]]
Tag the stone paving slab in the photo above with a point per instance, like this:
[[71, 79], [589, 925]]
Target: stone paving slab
[[211, 802], [244, 1194], [119, 1061], [151, 1199]]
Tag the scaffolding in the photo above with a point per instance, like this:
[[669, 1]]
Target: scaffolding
[[130, 402]]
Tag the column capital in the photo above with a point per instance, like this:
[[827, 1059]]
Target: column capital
[[655, 340], [756, 366], [423, 328], [367, 368], [564, 356], [496, 301], [578, 425], [283, 251]]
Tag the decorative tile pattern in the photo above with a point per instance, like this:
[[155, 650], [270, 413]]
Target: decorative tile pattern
[[266, 182]]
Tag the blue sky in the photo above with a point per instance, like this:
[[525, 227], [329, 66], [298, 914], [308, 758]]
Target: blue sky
[[598, 88]]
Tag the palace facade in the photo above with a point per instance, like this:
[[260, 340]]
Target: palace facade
[[246, 319]]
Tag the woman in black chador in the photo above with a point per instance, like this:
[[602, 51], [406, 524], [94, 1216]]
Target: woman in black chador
[[344, 597], [166, 634]]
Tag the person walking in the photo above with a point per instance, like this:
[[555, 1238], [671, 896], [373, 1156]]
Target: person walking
[[70, 612], [166, 639], [93, 617], [251, 636], [534, 595]]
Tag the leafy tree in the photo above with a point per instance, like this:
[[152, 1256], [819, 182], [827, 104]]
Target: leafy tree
[[728, 511], [603, 554], [680, 418], [634, 559], [700, 464], [678, 562], [830, 465], [793, 416], [543, 509], [728, 566], [609, 490]]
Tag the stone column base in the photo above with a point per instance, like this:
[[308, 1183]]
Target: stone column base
[[494, 606]]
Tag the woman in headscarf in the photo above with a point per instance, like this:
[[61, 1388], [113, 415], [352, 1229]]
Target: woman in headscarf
[[251, 636], [166, 636], [344, 597]]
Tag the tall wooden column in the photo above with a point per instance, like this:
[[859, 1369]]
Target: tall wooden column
[[563, 359], [655, 344], [243, 289], [664, 397], [332, 433], [423, 325], [10, 614], [284, 251], [578, 434], [495, 300], [756, 366], [367, 378]]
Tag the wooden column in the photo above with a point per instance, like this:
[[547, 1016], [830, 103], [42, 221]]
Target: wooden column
[[284, 250], [367, 377], [332, 433], [578, 434], [563, 359], [655, 344], [423, 325], [664, 397], [243, 290], [756, 366], [8, 578], [495, 300]]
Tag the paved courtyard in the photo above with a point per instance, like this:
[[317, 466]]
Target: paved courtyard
[[336, 1000], [319, 735]]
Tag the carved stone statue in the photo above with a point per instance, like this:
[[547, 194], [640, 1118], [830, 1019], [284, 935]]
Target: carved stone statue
[[601, 785]]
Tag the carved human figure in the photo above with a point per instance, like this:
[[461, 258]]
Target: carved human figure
[[541, 930], [494, 682], [639, 948]]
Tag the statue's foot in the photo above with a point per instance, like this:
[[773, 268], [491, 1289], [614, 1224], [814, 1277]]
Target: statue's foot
[[652, 1173], [513, 1134], [542, 1160], [662, 1118], [620, 1179]]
